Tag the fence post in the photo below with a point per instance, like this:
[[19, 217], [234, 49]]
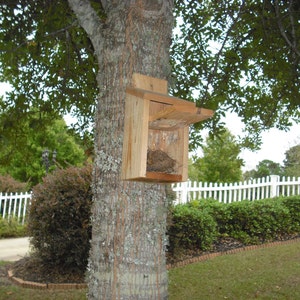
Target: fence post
[[274, 185], [184, 193]]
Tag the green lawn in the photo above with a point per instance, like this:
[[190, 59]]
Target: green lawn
[[267, 273]]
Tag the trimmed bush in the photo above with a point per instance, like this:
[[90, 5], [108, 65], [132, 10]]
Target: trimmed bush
[[191, 228], [59, 218], [219, 211], [9, 184], [293, 205], [258, 221], [197, 224]]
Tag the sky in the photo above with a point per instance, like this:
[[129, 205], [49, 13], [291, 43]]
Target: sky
[[275, 142]]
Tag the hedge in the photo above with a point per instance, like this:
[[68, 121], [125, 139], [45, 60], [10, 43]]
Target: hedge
[[199, 223]]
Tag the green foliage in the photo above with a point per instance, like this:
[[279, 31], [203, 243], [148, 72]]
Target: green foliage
[[48, 60], [218, 210], [293, 205], [21, 148], [258, 221], [11, 228], [239, 56], [59, 219], [191, 228], [220, 161], [197, 224], [267, 168], [9, 184], [292, 162], [263, 169], [234, 55]]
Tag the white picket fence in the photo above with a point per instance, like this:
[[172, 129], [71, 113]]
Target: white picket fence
[[16, 205], [268, 187], [13, 205]]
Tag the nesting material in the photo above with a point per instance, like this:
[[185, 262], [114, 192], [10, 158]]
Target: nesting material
[[160, 161]]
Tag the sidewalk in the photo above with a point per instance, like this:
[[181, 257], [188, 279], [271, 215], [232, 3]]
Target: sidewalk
[[14, 249]]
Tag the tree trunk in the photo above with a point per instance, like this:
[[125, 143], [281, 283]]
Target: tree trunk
[[127, 259]]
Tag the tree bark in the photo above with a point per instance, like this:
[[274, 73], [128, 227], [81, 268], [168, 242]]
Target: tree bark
[[127, 259]]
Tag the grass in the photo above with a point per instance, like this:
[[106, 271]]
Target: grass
[[266, 273], [17, 293]]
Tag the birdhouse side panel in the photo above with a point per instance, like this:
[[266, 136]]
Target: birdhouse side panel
[[135, 138]]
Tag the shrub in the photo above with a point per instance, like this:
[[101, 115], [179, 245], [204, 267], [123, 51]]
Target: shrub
[[9, 184], [191, 228], [59, 218], [197, 224], [293, 205], [257, 221], [217, 210], [11, 228]]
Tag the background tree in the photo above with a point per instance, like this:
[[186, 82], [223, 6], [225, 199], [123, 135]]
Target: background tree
[[220, 161], [263, 169], [193, 169], [292, 161], [21, 148]]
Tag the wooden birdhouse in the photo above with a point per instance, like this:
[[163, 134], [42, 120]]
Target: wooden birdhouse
[[156, 132]]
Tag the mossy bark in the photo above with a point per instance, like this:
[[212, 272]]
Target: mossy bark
[[127, 259]]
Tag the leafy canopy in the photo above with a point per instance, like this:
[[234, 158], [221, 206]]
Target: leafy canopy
[[240, 56], [47, 59]]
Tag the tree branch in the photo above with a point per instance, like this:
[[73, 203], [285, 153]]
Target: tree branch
[[220, 52], [88, 19], [281, 29]]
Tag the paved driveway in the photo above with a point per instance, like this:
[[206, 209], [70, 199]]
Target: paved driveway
[[14, 249]]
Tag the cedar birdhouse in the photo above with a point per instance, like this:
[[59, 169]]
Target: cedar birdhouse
[[156, 132]]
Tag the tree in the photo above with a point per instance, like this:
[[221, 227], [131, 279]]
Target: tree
[[129, 218], [240, 56], [61, 60], [292, 162], [21, 150], [244, 59], [193, 169], [264, 168], [220, 161]]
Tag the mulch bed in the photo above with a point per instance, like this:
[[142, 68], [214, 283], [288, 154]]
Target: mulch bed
[[32, 269]]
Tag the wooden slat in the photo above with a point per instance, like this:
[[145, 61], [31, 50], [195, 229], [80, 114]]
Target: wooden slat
[[155, 96], [148, 83], [135, 137]]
